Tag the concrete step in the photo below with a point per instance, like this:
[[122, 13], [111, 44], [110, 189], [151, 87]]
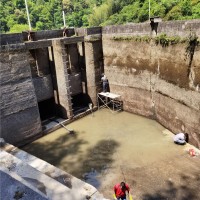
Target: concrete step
[[74, 184], [50, 188], [14, 187]]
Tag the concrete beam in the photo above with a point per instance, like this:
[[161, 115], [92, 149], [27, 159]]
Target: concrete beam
[[12, 47], [72, 40], [38, 44], [92, 38]]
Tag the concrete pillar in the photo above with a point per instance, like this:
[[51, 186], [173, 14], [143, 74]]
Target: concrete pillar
[[64, 95], [94, 67]]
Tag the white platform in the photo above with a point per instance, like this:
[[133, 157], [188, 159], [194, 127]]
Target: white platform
[[107, 98], [110, 95]]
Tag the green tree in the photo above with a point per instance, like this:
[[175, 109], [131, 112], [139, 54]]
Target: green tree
[[18, 28], [186, 8], [100, 14], [47, 14], [174, 13]]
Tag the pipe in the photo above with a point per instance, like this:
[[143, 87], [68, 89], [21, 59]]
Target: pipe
[[70, 131]]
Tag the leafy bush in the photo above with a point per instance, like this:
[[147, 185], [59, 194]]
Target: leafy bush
[[165, 40]]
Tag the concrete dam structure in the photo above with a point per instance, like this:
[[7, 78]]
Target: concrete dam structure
[[155, 67]]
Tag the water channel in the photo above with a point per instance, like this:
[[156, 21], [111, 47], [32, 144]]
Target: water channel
[[108, 148]]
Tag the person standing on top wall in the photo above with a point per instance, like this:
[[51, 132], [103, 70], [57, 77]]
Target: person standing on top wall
[[105, 83]]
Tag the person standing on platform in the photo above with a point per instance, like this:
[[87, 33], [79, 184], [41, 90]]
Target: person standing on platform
[[120, 190], [105, 83]]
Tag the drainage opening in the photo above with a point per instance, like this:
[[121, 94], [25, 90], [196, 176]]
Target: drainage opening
[[80, 103], [47, 109]]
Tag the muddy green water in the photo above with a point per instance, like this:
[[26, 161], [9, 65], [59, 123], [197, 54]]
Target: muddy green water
[[104, 146]]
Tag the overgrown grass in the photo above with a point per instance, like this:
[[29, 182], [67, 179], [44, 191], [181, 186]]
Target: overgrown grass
[[161, 39], [136, 38], [165, 40]]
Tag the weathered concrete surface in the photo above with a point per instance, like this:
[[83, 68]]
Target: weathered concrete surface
[[94, 68], [24, 126], [36, 176], [155, 81], [18, 98], [195, 70], [61, 58], [135, 100], [11, 38], [14, 187], [133, 67], [73, 40], [38, 44], [43, 87], [179, 27], [42, 61], [75, 83], [73, 54], [176, 116]]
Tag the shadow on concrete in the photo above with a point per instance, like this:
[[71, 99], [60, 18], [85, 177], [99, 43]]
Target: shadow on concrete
[[96, 162], [89, 166], [188, 189]]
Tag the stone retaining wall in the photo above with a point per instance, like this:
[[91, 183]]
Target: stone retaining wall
[[156, 81]]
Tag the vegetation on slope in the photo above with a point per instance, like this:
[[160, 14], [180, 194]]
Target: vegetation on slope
[[47, 14]]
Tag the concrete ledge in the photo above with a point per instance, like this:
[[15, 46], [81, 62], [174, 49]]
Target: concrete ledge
[[40, 181], [14, 187], [75, 188]]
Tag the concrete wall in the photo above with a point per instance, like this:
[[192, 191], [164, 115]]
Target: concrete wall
[[171, 28], [62, 75], [43, 87], [75, 83], [14, 38], [155, 81], [19, 110]]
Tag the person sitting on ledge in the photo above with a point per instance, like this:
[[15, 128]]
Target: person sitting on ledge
[[181, 138]]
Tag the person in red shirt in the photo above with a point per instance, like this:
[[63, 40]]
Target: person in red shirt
[[120, 190]]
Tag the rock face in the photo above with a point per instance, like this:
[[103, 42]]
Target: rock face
[[156, 78]]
